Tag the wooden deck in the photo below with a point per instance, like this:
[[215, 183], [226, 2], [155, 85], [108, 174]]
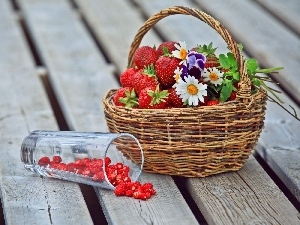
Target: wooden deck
[[59, 57]]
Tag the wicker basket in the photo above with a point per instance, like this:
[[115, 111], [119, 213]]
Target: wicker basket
[[192, 142]]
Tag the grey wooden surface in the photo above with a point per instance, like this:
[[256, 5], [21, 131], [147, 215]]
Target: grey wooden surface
[[28, 198], [82, 46], [81, 98]]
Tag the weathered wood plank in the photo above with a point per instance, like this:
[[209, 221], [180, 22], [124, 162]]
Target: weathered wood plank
[[282, 154], [115, 27], [168, 206], [287, 11], [279, 144], [64, 44], [263, 37], [255, 200], [27, 198]]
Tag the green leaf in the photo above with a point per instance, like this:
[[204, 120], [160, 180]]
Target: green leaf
[[226, 90], [224, 61], [215, 88], [252, 65], [256, 82], [236, 76], [232, 60]]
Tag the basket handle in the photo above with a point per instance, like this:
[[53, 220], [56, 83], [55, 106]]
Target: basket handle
[[244, 84]]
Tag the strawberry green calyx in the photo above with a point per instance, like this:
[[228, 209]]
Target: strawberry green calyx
[[150, 71], [166, 52], [157, 95], [131, 100], [206, 50]]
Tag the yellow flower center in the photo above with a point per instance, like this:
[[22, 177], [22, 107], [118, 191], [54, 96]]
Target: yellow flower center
[[192, 89], [213, 76], [177, 76], [182, 53]]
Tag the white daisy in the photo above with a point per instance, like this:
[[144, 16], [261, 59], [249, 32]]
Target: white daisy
[[177, 73], [213, 75], [190, 89], [181, 52]]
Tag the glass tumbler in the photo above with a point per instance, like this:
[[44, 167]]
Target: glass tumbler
[[91, 158]]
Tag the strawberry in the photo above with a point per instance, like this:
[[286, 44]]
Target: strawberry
[[212, 102], [151, 98], [145, 78], [205, 101], [126, 78], [144, 56], [165, 67], [125, 96], [232, 96], [169, 104], [176, 101], [166, 48], [212, 61]]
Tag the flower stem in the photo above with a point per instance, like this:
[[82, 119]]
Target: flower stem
[[271, 91], [269, 70]]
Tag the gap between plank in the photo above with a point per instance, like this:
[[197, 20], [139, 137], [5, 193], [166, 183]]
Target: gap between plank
[[277, 181], [181, 184], [2, 220]]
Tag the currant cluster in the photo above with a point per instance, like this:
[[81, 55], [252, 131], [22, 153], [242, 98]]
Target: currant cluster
[[117, 174]]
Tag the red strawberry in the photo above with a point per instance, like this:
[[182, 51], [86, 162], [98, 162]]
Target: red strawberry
[[212, 61], [144, 56], [205, 101], [125, 97], [232, 96], [212, 102], [176, 101], [169, 104], [236, 85], [145, 78], [165, 67], [126, 78], [150, 98], [166, 47]]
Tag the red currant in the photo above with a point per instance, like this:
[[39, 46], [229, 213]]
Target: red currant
[[56, 159], [107, 161], [129, 193], [44, 161]]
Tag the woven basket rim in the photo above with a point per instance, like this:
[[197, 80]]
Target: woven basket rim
[[107, 100]]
